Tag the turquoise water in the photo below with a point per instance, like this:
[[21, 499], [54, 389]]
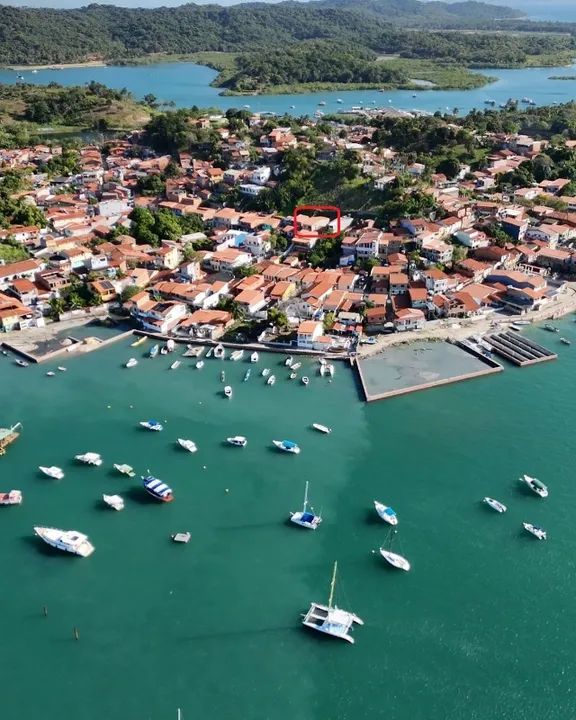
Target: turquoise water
[[482, 627], [188, 84]]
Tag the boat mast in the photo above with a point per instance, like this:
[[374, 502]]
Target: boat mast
[[305, 497], [332, 586]]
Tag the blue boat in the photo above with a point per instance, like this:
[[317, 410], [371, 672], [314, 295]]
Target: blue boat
[[157, 488], [287, 446], [152, 425], [154, 351]]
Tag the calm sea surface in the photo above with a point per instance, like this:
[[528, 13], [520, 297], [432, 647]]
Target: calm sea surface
[[482, 627], [188, 84]]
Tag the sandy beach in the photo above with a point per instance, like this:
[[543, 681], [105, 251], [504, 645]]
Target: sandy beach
[[60, 66]]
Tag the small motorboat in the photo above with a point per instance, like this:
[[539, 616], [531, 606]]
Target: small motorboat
[[305, 380], [210, 352], [116, 502], [495, 504], [222, 376], [228, 391], [181, 537], [331, 370], [54, 472], [62, 369], [157, 488], [154, 350], [164, 350], [89, 458], [288, 361], [323, 369], [199, 365], [265, 372], [139, 341], [131, 363], [386, 513], [254, 357], [187, 445], [271, 380], [219, 352], [550, 328], [170, 345], [13, 497], [237, 355], [397, 561], [535, 485], [152, 425], [21, 363], [125, 470], [565, 341], [70, 541], [295, 366], [538, 532], [50, 373], [293, 376], [175, 365], [237, 441], [304, 518], [322, 428], [247, 375], [287, 446]]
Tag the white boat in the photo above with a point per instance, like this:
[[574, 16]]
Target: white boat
[[164, 350], [305, 380], [495, 504], [12, 497], [330, 619], [125, 469], [187, 445], [287, 446], [322, 428], [288, 361], [237, 355], [323, 369], [565, 341], [170, 345], [247, 375], [89, 458], [237, 441], [199, 364], [228, 391], [175, 365], [222, 376], [331, 370], [131, 363], [50, 373], [296, 366], [254, 357], [181, 537], [62, 369], [293, 376], [70, 541], [52, 471], [153, 351], [210, 352], [152, 425], [114, 501], [538, 532], [535, 485], [271, 380], [265, 372], [397, 561], [303, 517], [386, 513], [22, 363], [219, 352]]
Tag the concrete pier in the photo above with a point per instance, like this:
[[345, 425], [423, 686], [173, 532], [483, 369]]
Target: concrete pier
[[518, 349]]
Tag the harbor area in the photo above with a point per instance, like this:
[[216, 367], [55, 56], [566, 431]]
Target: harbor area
[[518, 349], [419, 366]]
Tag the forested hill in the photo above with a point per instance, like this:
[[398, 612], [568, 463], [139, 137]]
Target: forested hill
[[29, 35], [414, 13]]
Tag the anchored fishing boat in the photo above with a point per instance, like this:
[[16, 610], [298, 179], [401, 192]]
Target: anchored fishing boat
[[158, 489], [125, 470], [13, 497]]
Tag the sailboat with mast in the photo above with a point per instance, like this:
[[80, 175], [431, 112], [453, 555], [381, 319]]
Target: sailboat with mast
[[392, 558], [330, 619], [304, 518]]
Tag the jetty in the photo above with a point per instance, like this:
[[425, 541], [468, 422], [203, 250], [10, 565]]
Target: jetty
[[518, 349], [8, 436]]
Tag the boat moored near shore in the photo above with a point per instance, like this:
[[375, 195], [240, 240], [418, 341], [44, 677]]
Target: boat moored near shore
[[157, 489], [70, 541]]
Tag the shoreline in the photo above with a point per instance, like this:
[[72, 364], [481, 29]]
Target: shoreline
[[56, 66]]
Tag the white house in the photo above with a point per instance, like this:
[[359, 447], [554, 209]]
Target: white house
[[308, 332], [251, 189], [229, 259], [261, 175]]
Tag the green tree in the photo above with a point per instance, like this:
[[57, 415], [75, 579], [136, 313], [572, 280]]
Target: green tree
[[129, 292], [278, 318]]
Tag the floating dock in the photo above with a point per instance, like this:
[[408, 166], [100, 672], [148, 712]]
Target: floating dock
[[518, 349]]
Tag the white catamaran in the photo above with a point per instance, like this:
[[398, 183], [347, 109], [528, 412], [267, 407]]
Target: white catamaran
[[330, 619]]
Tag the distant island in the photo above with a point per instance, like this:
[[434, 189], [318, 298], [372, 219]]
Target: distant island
[[293, 47], [562, 77]]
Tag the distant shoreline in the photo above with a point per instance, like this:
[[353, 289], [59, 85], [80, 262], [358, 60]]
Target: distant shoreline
[[56, 66]]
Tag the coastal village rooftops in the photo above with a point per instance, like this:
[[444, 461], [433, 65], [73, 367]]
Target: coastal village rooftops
[[16, 268]]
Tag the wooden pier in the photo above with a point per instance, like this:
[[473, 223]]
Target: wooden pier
[[518, 349], [8, 436]]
